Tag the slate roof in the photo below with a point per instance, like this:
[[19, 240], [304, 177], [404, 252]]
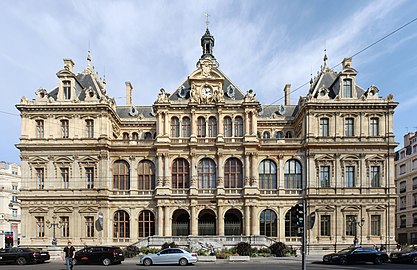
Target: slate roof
[[127, 112], [268, 110]]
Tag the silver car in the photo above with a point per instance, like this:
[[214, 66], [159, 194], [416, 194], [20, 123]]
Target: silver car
[[170, 256]]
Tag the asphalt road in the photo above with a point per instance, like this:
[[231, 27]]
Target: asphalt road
[[257, 263]]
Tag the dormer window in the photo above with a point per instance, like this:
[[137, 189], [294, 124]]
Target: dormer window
[[347, 88], [67, 89]]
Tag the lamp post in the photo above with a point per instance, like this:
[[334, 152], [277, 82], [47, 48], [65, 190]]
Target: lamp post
[[355, 223], [54, 225]]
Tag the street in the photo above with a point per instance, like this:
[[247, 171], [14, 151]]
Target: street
[[288, 263]]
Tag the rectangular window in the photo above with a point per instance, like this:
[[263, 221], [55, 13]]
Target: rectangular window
[[403, 202], [65, 178], [415, 200], [40, 180], [376, 225], [374, 127], [14, 187], [349, 132], [324, 127], [415, 163], [350, 225], [14, 198], [40, 226], [347, 88], [89, 174], [375, 176], [414, 183], [350, 176], [65, 129], [325, 176], [90, 128], [325, 225], [65, 226], [403, 186], [403, 221], [415, 219], [89, 227], [402, 169], [67, 89], [14, 212], [40, 131]]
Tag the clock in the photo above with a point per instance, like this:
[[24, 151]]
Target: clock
[[206, 91]]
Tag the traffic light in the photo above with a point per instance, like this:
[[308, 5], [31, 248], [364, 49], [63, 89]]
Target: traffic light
[[299, 214]]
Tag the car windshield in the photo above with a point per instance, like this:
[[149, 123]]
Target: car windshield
[[343, 251], [409, 249]]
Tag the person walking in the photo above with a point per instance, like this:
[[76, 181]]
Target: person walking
[[69, 251]]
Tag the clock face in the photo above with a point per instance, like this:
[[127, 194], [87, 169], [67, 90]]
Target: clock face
[[206, 92]]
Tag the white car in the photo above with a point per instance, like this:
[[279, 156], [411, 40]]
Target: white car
[[170, 256]]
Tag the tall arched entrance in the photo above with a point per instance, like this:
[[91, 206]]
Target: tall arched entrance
[[207, 222], [233, 222], [180, 223]]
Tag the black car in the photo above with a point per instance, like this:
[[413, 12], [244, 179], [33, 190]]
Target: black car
[[357, 254], [23, 255], [99, 255], [408, 255]]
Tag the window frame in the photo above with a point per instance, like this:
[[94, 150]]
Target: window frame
[[324, 127]]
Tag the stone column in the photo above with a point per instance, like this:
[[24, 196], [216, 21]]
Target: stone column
[[247, 131], [254, 176], [254, 124], [247, 170], [220, 221], [254, 221], [166, 124], [160, 172], [159, 126], [167, 221], [247, 231], [167, 182], [160, 225], [194, 221]]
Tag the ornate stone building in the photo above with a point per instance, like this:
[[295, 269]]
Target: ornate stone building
[[406, 182], [207, 160]]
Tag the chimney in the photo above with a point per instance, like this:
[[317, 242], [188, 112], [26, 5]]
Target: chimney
[[69, 64], [347, 62], [129, 89], [287, 90]]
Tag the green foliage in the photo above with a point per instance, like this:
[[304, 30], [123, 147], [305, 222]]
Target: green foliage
[[243, 249], [168, 245], [131, 251], [202, 252], [280, 249], [147, 250]]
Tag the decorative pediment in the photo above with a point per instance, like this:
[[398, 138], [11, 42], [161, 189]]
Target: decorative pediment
[[325, 157], [351, 209], [206, 71], [376, 208], [323, 93], [63, 160], [326, 208], [63, 209], [88, 210], [38, 160], [38, 209], [350, 157], [89, 159]]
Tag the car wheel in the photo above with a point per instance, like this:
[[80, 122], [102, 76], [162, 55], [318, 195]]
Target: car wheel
[[343, 260], [378, 260], [414, 260], [106, 261], [183, 262], [21, 260], [147, 262]]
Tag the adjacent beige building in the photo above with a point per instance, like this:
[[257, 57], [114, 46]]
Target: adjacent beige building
[[207, 159], [10, 180], [406, 182]]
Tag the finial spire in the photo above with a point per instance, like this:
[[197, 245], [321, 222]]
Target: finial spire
[[207, 19], [325, 58], [89, 58]]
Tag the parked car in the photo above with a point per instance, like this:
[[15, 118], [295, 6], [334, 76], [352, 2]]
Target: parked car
[[407, 255], [357, 254], [23, 255], [99, 255], [170, 256]]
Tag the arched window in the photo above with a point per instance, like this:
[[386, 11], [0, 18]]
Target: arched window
[[148, 136], [201, 127], [279, 135], [268, 223], [227, 124], [266, 135], [121, 225], [175, 127], [292, 174], [121, 175], [288, 134], [238, 126], [125, 136], [186, 127], [180, 174], [267, 174], [206, 173], [135, 136], [233, 173], [146, 175], [212, 127], [291, 229], [146, 223]]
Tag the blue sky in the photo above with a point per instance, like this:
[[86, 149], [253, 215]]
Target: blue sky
[[260, 45]]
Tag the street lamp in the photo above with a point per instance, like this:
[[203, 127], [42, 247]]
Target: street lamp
[[355, 223], [54, 225]]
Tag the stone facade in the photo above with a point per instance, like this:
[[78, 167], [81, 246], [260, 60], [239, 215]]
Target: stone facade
[[207, 159], [10, 179], [406, 183]]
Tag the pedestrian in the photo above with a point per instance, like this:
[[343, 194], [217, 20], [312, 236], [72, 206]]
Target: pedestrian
[[69, 251], [211, 250], [355, 242]]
